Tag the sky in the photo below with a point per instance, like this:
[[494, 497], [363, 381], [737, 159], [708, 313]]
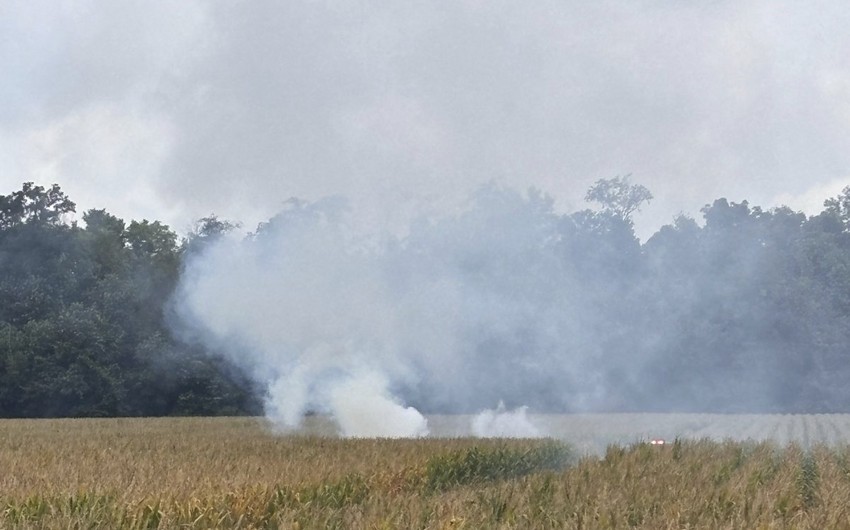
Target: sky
[[175, 110]]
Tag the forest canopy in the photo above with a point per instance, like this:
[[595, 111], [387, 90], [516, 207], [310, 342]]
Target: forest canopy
[[746, 298], [83, 330]]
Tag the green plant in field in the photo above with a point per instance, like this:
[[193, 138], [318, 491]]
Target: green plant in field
[[478, 465], [807, 480], [29, 509], [351, 489]]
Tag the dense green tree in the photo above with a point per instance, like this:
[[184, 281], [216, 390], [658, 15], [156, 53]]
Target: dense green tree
[[34, 204], [82, 318]]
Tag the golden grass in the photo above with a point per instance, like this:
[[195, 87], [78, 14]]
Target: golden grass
[[234, 473], [185, 457]]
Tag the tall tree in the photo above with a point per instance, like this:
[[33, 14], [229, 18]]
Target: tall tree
[[619, 196], [838, 208], [34, 204]]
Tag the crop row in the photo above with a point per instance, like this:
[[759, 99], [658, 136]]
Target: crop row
[[233, 473]]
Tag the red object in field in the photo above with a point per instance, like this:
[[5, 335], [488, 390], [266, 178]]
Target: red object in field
[[656, 442]]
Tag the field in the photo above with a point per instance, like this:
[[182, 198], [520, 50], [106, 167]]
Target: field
[[229, 473]]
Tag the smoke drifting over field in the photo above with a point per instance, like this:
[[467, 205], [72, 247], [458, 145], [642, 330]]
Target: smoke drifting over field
[[509, 302], [462, 312]]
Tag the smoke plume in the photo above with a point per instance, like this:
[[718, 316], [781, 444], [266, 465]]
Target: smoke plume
[[461, 312], [503, 423], [507, 301]]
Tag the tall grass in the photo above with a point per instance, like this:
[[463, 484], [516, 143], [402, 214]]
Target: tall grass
[[233, 473]]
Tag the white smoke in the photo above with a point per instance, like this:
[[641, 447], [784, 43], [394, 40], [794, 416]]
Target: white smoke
[[462, 311], [301, 305], [363, 407], [503, 423]]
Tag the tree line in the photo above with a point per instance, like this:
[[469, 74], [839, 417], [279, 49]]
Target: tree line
[[83, 328], [746, 311]]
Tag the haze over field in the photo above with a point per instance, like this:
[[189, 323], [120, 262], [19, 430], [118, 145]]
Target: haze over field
[[510, 302]]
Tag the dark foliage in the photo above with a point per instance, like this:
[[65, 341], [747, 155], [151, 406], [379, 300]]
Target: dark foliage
[[82, 329]]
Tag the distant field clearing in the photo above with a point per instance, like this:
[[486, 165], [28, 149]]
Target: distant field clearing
[[593, 432]]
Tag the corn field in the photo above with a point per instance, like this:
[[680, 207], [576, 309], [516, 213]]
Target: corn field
[[236, 473]]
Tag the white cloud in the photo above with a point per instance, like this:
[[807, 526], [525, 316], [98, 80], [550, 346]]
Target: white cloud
[[811, 200]]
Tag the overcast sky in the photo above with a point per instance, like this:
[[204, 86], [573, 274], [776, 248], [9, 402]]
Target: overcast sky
[[173, 110]]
